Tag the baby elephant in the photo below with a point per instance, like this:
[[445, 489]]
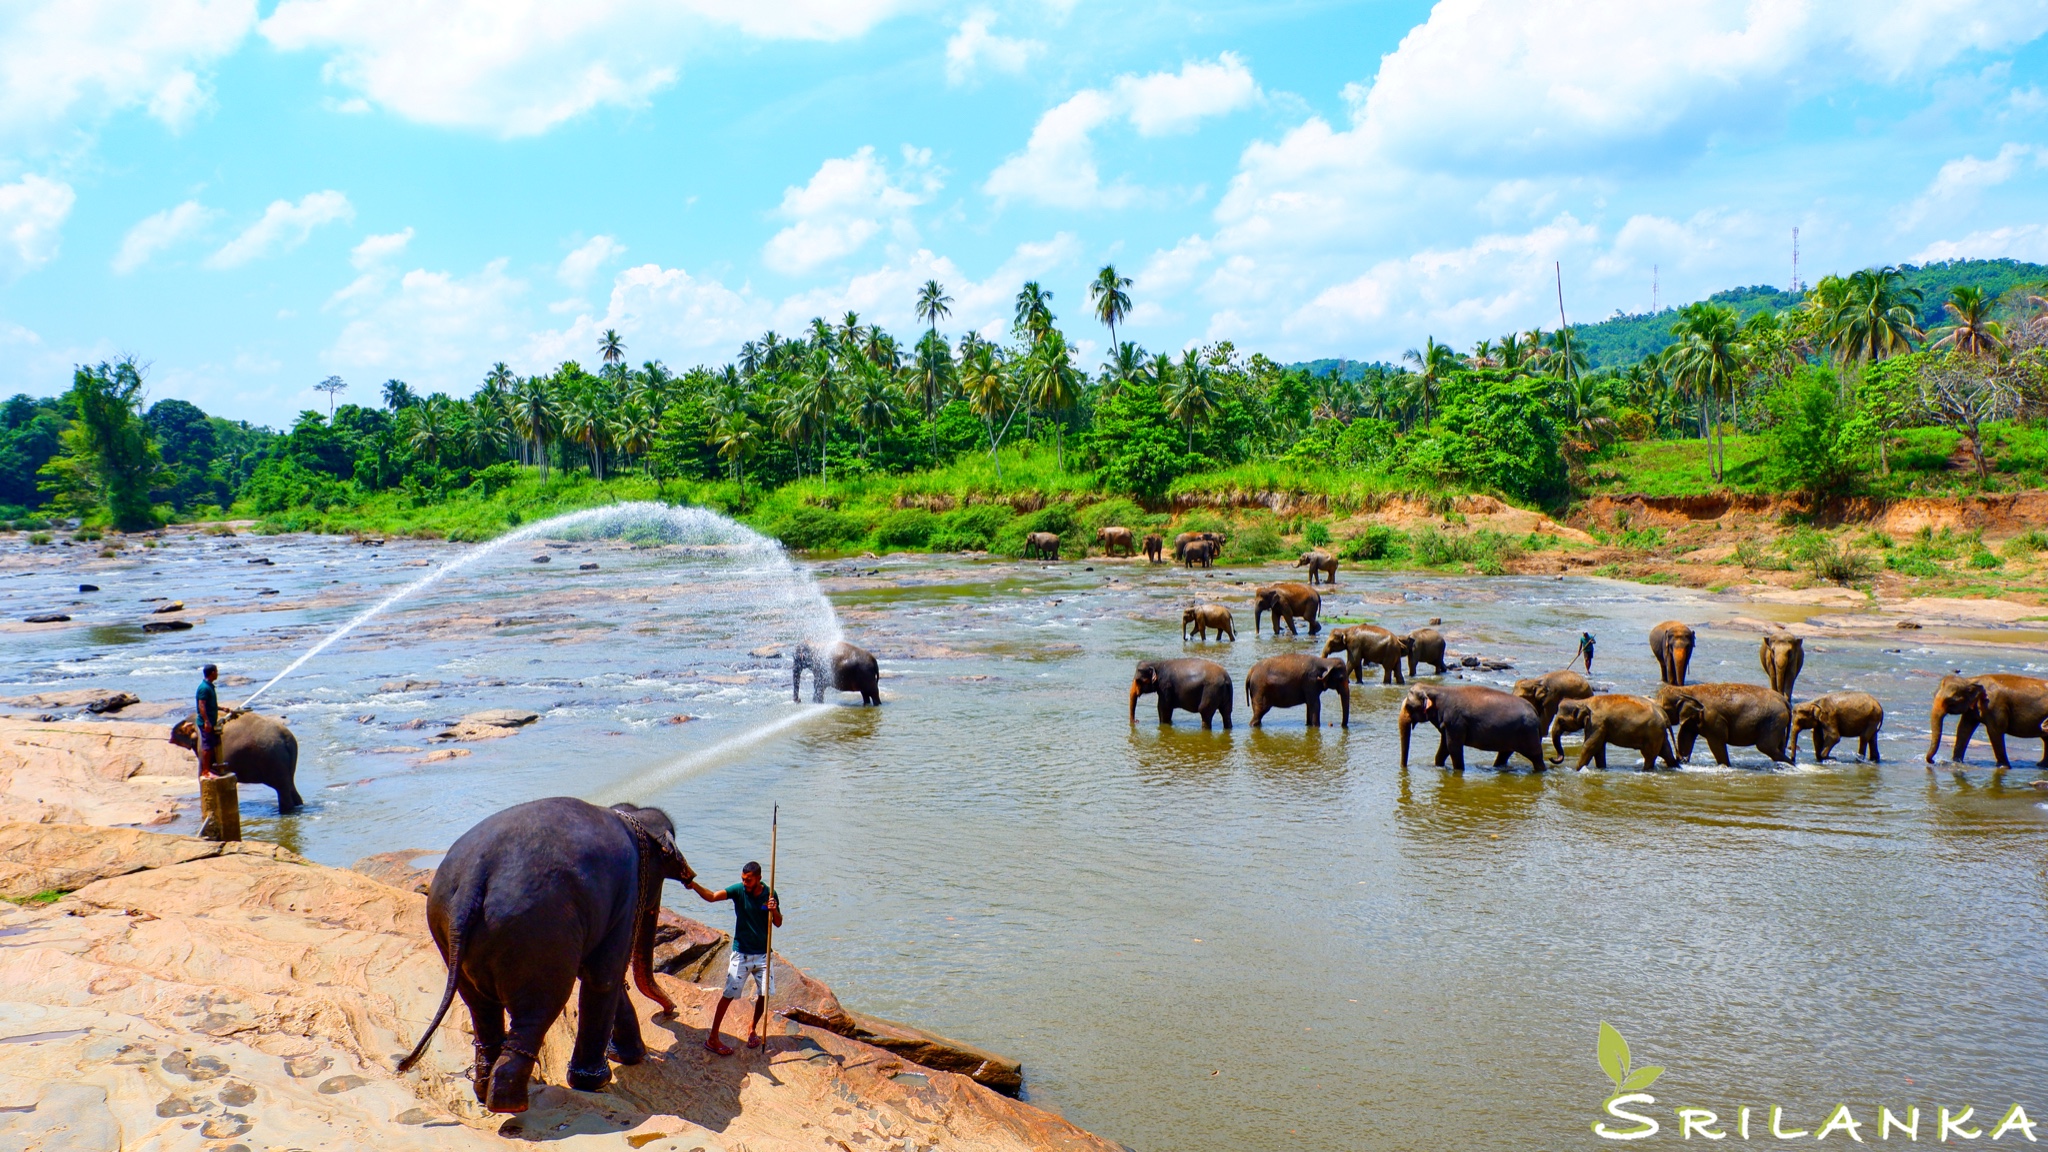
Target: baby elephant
[[1544, 693], [1199, 686], [1203, 617], [1364, 644], [1626, 721], [1319, 562], [1836, 715], [1154, 545]]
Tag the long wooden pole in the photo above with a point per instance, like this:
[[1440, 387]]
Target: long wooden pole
[[768, 966]]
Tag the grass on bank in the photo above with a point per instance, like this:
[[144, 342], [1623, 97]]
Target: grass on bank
[[1920, 462]]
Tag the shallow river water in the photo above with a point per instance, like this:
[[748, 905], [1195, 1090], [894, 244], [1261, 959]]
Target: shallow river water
[[1244, 941]]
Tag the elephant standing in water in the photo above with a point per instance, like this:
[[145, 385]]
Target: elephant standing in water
[[1364, 644], [1318, 562], [1042, 545], [1728, 714], [1426, 646], [1546, 692], [1202, 617], [1468, 715], [1671, 643], [2005, 705], [1624, 721], [1297, 680], [1836, 715], [255, 750], [1289, 600], [1191, 685], [849, 667], [1200, 552], [533, 901], [1783, 656]]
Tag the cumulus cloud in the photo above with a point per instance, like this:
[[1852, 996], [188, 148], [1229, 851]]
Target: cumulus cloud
[[973, 47], [376, 248], [1057, 166], [1960, 180], [579, 266], [846, 202], [520, 67], [434, 327], [152, 234], [2019, 241], [284, 226], [32, 214], [66, 59]]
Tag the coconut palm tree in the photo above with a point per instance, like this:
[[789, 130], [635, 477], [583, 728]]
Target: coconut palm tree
[[873, 410], [1870, 315], [1706, 362], [633, 431], [1034, 310], [1434, 363], [428, 428], [1112, 302], [991, 392], [611, 347], [931, 379], [585, 421], [1126, 363], [535, 418], [399, 395], [487, 426], [1564, 356], [1194, 395], [1051, 382], [737, 438], [1482, 355], [1974, 332], [933, 305]]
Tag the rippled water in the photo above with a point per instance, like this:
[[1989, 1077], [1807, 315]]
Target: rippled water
[[1268, 940]]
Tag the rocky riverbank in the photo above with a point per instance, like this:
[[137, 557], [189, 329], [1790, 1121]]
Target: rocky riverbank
[[165, 991]]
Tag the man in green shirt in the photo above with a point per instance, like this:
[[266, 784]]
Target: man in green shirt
[[754, 908], [207, 721]]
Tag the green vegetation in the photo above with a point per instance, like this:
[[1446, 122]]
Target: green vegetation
[[38, 900]]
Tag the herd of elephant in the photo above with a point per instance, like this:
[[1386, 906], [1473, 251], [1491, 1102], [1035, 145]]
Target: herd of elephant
[[1193, 549], [1663, 727]]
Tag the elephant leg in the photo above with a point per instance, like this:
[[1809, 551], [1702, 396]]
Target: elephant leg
[[1866, 747], [1312, 711], [627, 1046], [1997, 747], [1165, 709], [288, 798], [1719, 748], [1501, 759], [1224, 708], [1208, 716], [597, 1009], [1259, 711], [1966, 727], [511, 1075], [1586, 751], [487, 1024], [1457, 750]]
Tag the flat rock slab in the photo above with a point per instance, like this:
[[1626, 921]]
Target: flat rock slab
[[92, 772], [502, 718]]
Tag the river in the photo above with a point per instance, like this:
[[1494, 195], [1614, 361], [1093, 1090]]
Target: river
[[1198, 941]]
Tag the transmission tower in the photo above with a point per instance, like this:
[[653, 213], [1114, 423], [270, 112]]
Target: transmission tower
[[1653, 289], [1795, 259]]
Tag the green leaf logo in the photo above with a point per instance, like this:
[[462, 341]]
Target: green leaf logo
[[1613, 1053]]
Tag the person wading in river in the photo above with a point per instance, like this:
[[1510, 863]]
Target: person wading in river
[[1585, 651], [754, 905], [206, 720]]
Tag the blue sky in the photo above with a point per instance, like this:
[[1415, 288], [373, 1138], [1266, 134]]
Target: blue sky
[[253, 196]]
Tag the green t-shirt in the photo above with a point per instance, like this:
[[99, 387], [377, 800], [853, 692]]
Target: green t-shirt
[[208, 702], [750, 912]]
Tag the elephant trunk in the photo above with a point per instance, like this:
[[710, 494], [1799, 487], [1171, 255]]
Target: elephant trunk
[[647, 908], [1134, 701], [1935, 721], [1344, 698], [1557, 736], [1407, 724]]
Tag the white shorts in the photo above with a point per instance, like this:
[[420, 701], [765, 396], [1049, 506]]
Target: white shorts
[[741, 966]]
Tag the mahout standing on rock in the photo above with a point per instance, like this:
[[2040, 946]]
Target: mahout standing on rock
[[755, 906], [206, 720], [1202, 617], [1624, 721], [1473, 716], [849, 668], [2006, 705], [532, 902], [1297, 680], [1671, 643], [1782, 656], [1188, 684], [1836, 715], [1729, 714], [1290, 600]]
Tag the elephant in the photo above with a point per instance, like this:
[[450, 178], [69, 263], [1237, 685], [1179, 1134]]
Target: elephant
[[1181, 542], [852, 669], [537, 898], [254, 749], [1199, 552], [1204, 617], [1297, 679], [1728, 714], [1364, 644], [1318, 562], [2004, 704], [1153, 546], [1783, 656], [1110, 538], [1836, 715], [1042, 545], [1671, 643], [1470, 715], [1426, 646], [1546, 691], [1200, 686], [1624, 721], [1289, 600]]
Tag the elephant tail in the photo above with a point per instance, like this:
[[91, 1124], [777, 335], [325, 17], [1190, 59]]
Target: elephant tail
[[455, 933]]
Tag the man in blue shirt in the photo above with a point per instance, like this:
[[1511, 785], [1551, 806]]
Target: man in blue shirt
[[754, 908], [207, 720]]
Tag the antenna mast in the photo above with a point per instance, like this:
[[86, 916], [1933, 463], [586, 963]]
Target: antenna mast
[[1653, 289], [1795, 258]]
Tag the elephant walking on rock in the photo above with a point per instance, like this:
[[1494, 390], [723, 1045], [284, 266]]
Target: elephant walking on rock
[[1671, 643], [849, 667], [1782, 656], [1472, 716], [254, 749], [1190, 685], [533, 902], [2004, 704], [1297, 680]]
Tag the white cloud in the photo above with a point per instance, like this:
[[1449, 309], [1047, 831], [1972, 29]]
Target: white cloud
[[284, 226], [520, 67], [663, 313], [1960, 180], [974, 47], [1057, 166], [432, 328], [845, 204], [579, 266], [152, 234], [379, 247], [61, 59], [32, 212], [2020, 242]]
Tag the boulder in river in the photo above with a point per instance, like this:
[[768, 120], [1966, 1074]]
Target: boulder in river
[[167, 626], [173, 606], [587, 566], [88, 587], [492, 724], [46, 618]]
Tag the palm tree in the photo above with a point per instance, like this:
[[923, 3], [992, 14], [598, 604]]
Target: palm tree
[[1512, 351], [1434, 363], [535, 418], [1482, 355], [1126, 363], [986, 380], [1051, 382], [1974, 332], [429, 430], [932, 378], [1112, 303], [1583, 403], [585, 421], [872, 410], [398, 394], [487, 426], [737, 438], [1034, 310], [633, 430], [1194, 394], [1564, 355], [1705, 362], [933, 305], [1870, 315], [500, 378], [611, 347]]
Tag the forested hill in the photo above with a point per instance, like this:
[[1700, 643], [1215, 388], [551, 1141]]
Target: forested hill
[[1625, 338]]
